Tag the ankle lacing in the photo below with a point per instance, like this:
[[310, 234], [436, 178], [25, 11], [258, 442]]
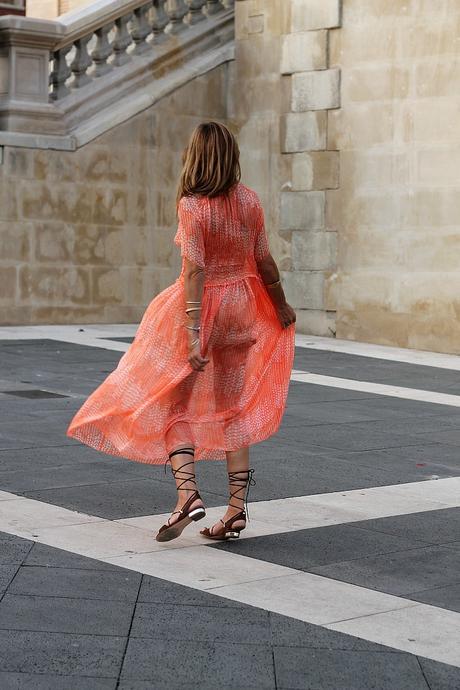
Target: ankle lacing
[[248, 481], [183, 480]]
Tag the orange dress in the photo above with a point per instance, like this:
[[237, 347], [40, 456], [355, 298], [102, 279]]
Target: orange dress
[[154, 400]]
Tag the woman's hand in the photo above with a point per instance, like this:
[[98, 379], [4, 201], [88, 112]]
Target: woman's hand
[[286, 315], [196, 361]]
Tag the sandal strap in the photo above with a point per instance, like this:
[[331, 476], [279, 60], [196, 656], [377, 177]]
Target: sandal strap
[[241, 483]]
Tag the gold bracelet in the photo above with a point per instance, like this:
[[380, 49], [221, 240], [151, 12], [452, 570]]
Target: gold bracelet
[[192, 309], [192, 301], [277, 282], [193, 328]]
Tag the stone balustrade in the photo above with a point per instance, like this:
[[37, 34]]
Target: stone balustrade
[[55, 73]]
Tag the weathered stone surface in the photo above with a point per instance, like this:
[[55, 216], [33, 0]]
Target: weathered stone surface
[[316, 90], [315, 170], [304, 289], [314, 251], [302, 210], [53, 286], [8, 283], [302, 51], [311, 14], [303, 131]]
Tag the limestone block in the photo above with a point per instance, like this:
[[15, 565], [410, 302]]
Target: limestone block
[[375, 83], [302, 51], [44, 285], [316, 90], [54, 242], [302, 210], [8, 284], [314, 251], [304, 289], [303, 131], [15, 241], [314, 14], [107, 286], [110, 206], [315, 170], [359, 126], [315, 322], [69, 203], [442, 165]]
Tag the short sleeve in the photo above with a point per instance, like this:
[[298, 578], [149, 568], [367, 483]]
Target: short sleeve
[[261, 246], [189, 233]]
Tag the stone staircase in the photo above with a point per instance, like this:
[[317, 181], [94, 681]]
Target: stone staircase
[[65, 82]]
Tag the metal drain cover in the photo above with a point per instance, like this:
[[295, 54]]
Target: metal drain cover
[[34, 393]]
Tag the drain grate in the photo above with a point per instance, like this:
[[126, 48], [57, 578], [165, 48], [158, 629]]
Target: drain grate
[[35, 393]]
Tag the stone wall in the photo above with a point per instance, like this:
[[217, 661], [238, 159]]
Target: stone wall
[[87, 236], [283, 91], [397, 211]]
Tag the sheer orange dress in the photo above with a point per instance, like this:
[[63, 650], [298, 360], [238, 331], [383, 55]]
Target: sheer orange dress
[[154, 401]]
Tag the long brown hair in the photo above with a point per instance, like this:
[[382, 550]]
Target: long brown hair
[[210, 161]]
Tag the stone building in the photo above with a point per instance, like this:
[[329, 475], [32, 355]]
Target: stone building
[[347, 114]]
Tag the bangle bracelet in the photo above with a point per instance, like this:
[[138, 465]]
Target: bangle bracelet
[[192, 309], [191, 301], [193, 328], [277, 282]]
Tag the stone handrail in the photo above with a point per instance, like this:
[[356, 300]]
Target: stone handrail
[[52, 71]]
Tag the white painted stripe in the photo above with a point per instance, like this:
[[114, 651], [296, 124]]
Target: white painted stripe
[[392, 354], [305, 596], [377, 388], [88, 334]]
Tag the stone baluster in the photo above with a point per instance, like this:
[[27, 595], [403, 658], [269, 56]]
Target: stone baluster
[[81, 62], [176, 9], [213, 7], [141, 28], [121, 40], [196, 13], [102, 50], [160, 20], [60, 73]]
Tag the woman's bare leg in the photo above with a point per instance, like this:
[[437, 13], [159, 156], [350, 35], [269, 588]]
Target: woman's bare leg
[[185, 480], [238, 463]]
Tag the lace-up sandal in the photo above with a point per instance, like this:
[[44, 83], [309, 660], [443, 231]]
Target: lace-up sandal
[[232, 527], [173, 530]]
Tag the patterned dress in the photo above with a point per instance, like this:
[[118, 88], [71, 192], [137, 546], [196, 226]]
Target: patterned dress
[[154, 401]]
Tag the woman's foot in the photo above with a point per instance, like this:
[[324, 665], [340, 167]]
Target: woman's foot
[[219, 527], [234, 520], [190, 511]]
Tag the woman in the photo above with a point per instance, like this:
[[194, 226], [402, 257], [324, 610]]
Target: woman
[[208, 372]]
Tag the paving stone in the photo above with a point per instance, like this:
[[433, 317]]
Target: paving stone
[[65, 615], [347, 670], [54, 653], [202, 664], [388, 372], [444, 597], [120, 499], [291, 632], [210, 623], [154, 590], [399, 573], [440, 676], [76, 583], [7, 573], [13, 550], [434, 526], [44, 555], [44, 681], [305, 549]]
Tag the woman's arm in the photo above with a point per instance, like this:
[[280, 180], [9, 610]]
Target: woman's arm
[[193, 287], [270, 275]]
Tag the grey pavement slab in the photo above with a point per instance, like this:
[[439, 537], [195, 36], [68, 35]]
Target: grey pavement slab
[[131, 497], [433, 526], [444, 597], [56, 653], [305, 549], [45, 681], [175, 622], [47, 556], [12, 550], [400, 573], [65, 614], [297, 669], [344, 365], [440, 676], [77, 583], [173, 664]]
